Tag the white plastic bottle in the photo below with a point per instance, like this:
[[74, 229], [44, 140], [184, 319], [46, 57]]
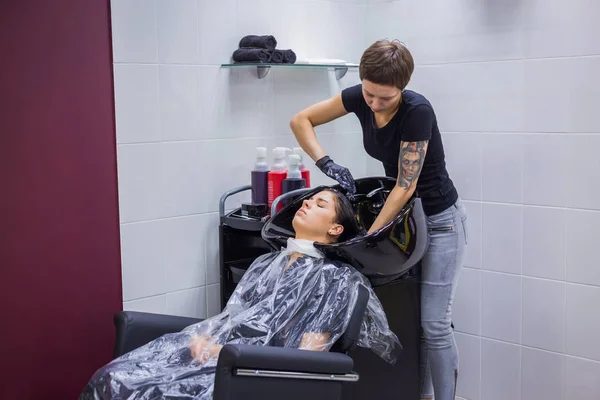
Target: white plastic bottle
[[294, 179], [298, 151], [305, 172]]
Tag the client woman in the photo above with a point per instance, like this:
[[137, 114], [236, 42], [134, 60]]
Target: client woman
[[290, 298]]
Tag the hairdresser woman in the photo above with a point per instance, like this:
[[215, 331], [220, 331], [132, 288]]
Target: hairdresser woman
[[400, 129]]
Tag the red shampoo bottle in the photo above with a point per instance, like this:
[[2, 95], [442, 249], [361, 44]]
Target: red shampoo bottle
[[276, 176]]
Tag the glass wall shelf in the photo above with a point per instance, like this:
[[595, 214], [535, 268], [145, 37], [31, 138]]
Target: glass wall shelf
[[262, 69]]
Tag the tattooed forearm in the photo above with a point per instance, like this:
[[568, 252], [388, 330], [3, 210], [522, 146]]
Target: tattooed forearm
[[412, 156]]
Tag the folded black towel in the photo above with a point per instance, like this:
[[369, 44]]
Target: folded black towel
[[289, 57], [283, 57], [251, 55], [276, 57], [263, 41]]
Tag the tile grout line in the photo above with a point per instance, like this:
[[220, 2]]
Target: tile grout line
[[532, 205], [521, 328], [566, 327], [160, 135], [159, 119], [206, 274], [164, 264], [145, 297], [565, 348], [172, 217], [529, 347], [158, 96], [170, 292], [487, 132], [521, 233], [480, 156], [154, 6], [224, 139], [537, 277], [197, 6], [507, 60], [480, 325], [425, 65]]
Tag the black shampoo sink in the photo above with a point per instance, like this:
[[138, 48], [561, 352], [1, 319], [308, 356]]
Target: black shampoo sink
[[381, 256]]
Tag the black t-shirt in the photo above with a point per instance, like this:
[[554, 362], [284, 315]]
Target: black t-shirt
[[414, 121]]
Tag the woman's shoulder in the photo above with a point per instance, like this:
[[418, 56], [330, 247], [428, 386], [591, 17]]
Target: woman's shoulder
[[353, 99], [415, 99], [354, 89]]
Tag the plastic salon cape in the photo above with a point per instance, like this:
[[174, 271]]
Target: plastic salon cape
[[282, 296]]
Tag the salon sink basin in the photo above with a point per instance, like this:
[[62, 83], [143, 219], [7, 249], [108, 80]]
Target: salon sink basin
[[382, 256]]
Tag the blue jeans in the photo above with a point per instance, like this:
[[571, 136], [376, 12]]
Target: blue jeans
[[440, 270]]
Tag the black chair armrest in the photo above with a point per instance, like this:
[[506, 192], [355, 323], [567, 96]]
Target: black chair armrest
[[274, 373], [350, 338], [135, 329], [281, 358]]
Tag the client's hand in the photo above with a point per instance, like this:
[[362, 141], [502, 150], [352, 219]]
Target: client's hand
[[202, 349], [339, 173], [315, 341]]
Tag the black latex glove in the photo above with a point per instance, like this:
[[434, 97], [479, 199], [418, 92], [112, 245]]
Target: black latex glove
[[339, 173]]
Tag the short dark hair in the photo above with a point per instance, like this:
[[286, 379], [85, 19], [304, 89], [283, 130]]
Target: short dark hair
[[387, 63], [344, 215]]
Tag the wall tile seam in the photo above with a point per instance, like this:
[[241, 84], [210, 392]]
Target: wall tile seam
[[364, 3], [161, 294], [520, 132], [225, 139], [526, 346], [158, 64], [506, 60], [567, 282], [566, 325], [170, 218], [531, 205]]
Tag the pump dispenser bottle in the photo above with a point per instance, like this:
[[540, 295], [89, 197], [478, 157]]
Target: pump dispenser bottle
[[277, 174], [305, 172], [294, 179], [260, 177]]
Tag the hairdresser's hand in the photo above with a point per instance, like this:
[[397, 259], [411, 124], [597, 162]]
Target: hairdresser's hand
[[339, 173]]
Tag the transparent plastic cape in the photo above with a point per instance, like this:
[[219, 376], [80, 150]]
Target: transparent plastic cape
[[286, 299]]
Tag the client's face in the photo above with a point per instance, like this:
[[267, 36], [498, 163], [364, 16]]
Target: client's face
[[315, 219]]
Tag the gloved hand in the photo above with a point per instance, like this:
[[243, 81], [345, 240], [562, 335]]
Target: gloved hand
[[339, 173]]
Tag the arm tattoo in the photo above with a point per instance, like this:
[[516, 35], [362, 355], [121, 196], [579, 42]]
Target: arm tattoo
[[412, 156]]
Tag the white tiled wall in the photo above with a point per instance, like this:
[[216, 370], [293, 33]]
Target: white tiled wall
[[187, 128], [515, 85]]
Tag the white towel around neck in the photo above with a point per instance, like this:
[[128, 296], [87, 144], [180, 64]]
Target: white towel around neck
[[303, 246]]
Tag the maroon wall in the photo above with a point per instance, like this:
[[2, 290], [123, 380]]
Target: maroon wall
[[60, 278]]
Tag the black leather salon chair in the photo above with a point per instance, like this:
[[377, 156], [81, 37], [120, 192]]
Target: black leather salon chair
[[258, 372]]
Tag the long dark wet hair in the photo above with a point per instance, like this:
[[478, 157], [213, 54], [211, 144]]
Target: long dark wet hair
[[344, 215]]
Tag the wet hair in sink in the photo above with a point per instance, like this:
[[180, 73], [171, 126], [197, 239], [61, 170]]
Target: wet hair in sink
[[345, 216]]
